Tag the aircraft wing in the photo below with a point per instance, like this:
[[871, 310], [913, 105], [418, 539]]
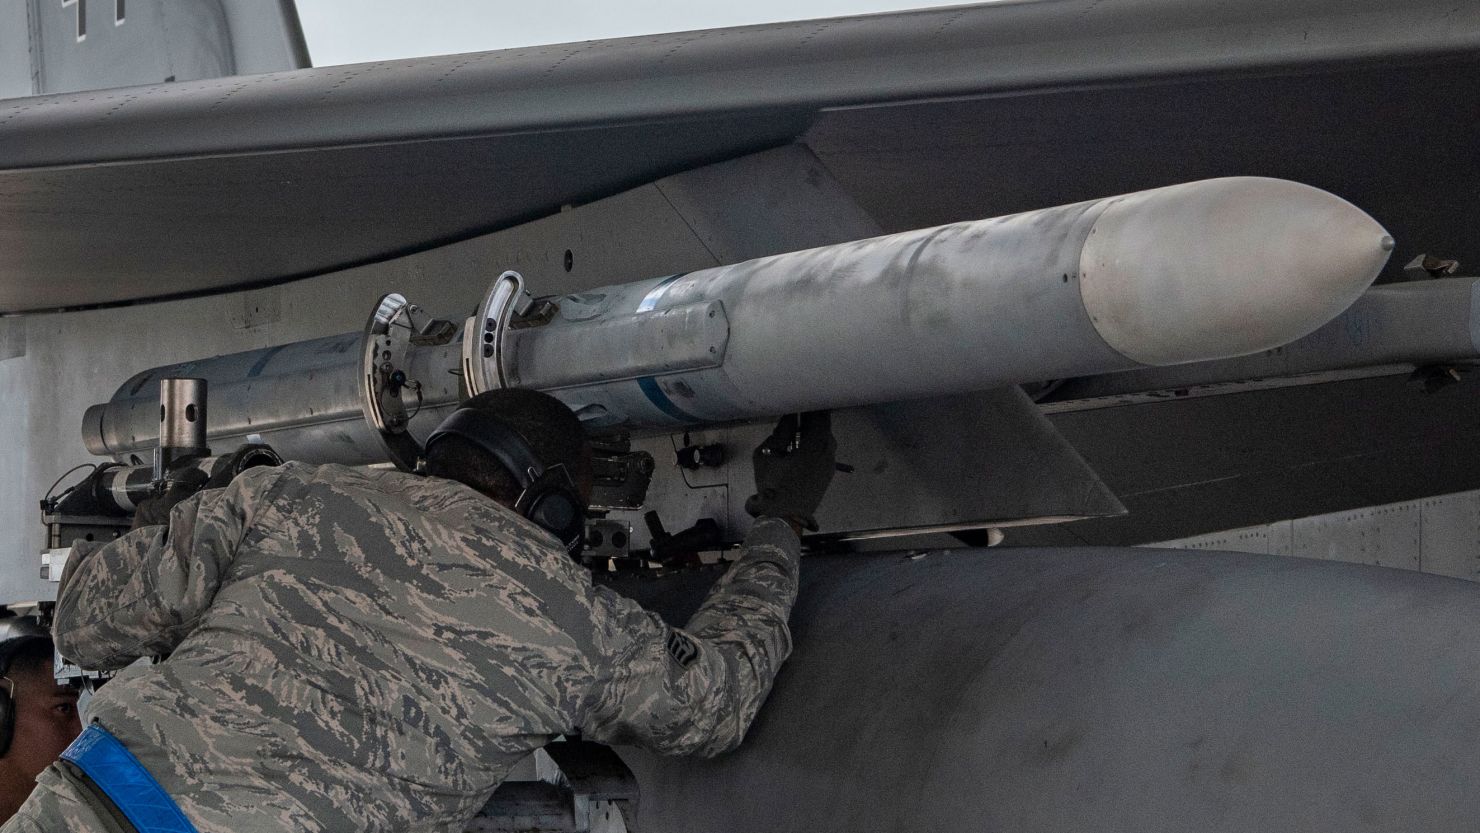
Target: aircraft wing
[[941, 114]]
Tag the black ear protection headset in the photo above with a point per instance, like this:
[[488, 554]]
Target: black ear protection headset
[[15, 635], [549, 498]]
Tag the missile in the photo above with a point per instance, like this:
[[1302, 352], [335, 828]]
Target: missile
[[1193, 272]]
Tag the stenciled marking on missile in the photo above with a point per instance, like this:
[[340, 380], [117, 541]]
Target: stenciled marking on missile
[[650, 300], [655, 395], [262, 362]]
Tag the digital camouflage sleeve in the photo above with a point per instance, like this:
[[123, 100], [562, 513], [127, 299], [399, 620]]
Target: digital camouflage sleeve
[[696, 690], [370, 650], [141, 594]]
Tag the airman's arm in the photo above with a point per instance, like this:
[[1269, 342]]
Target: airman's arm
[[696, 690], [141, 594]]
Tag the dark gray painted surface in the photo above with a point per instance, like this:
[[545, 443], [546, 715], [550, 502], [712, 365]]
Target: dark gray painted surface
[[964, 50], [364, 161], [1059, 690], [164, 228], [1189, 467]]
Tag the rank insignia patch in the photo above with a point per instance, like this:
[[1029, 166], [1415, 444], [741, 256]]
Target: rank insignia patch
[[682, 648]]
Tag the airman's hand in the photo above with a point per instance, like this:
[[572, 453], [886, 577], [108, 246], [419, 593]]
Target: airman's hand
[[156, 510], [793, 469]]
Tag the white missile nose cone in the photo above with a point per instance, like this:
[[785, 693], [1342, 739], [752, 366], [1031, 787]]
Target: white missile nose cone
[[1225, 267]]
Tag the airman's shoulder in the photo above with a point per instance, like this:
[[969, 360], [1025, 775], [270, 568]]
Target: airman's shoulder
[[388, 484], [336, 475], [265, 482]]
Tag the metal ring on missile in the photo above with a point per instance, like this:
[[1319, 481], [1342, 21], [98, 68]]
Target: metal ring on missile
[[387, 339], [484, 333]]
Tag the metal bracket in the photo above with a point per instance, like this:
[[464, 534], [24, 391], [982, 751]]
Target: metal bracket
[[607, 539], [620, 481], [394, 327], [483, 335], [62, 531], [590, 790], [594, 770]]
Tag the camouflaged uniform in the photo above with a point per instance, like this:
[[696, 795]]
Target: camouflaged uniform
[[61, 802], [370, 650]]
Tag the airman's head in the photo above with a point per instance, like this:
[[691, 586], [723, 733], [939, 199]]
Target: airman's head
[[38, 717]]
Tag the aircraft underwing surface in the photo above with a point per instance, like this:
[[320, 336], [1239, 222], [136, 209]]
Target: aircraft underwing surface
[[969, 111]]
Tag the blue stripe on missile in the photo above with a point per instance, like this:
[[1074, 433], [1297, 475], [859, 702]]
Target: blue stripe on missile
[[660, 399], [650, 300], [261, 364]]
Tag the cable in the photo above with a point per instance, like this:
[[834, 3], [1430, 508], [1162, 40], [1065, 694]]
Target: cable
[[416, 386], [681, 472], [55, 483]]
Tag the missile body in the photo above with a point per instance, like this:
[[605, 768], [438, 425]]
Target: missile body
[[303, 399], [1191, 272], [1187, 273]]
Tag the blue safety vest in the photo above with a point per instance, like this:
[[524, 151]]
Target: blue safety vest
[[126, 782]]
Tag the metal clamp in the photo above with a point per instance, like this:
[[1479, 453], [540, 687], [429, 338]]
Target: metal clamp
[[182, 426], [483, 335], [394, 327]]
